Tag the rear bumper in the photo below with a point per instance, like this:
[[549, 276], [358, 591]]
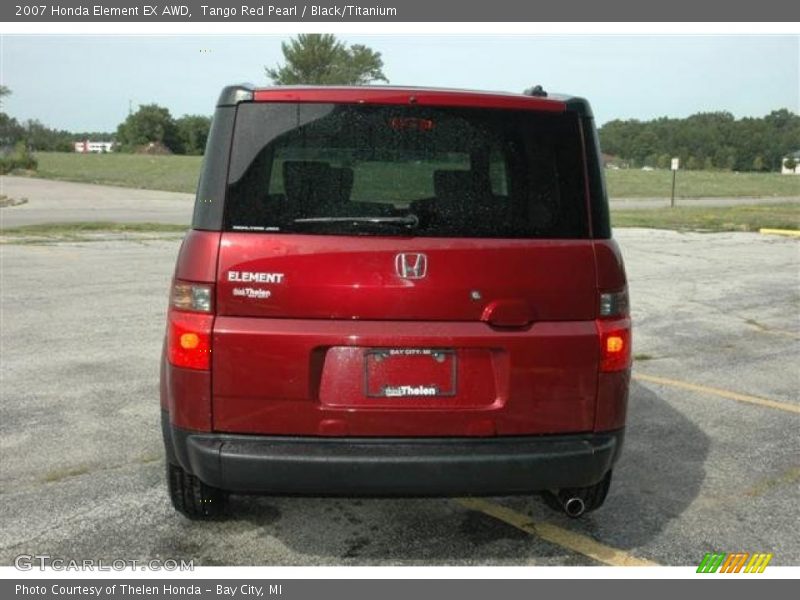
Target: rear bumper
[[393, 466]]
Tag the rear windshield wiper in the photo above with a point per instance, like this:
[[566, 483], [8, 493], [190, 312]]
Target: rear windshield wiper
[[410, 220]]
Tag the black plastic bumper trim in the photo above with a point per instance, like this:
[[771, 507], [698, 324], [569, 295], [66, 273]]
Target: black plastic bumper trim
[[309, 466]]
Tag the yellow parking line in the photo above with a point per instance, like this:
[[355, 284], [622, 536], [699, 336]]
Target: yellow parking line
[[703, 389], [554, 534], [790, 232]]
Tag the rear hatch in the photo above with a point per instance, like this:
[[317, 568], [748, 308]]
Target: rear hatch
[[405, 270]]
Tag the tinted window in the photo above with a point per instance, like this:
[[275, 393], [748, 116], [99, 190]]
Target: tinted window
[[451, 172]]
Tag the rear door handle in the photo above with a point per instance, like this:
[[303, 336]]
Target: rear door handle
[[507, 313]]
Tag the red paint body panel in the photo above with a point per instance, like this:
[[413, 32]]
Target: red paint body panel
[[612, 400], [163, 390], [275, 376], [294, 362], [189, 398], [197, 259], [420, 97], [186, 393], [341, 277], [610, 268]]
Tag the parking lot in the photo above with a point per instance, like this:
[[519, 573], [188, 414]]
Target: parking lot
[[711, 461]]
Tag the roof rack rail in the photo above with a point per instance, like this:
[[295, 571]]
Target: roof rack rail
[[536, 91]]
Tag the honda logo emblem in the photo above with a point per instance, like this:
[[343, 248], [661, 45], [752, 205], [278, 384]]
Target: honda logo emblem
[[411, 266]]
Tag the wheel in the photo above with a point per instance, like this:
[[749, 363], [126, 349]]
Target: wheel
[[193, 498], [591, 497]]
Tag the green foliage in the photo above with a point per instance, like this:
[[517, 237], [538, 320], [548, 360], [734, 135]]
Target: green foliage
[[707, 140], [693, 163], [790, 164], [20, 158], [193, 133], [321, 59], [38, 137], [151, 123], [41, 138], [11, 131]]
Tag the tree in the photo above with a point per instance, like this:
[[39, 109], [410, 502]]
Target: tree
[[10, 130], [693, 163], [151, 123], [193, 133], [707, 140], [321, 59], [44, 139], [12, 133]]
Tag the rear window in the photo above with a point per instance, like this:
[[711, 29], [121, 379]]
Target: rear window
[[406, 170]]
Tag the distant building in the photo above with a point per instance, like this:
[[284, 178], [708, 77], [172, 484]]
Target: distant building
[[792, 159], [87, 146], [614, 162]]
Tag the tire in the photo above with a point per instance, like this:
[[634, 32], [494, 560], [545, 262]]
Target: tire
[[592, 496], [193, 498]]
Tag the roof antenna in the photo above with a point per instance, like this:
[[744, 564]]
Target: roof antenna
[[537, 91]]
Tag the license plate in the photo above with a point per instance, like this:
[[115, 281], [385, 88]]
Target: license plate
[[409, 372]]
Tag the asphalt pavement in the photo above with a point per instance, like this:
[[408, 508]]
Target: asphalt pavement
[[711, 458], [49, 201]]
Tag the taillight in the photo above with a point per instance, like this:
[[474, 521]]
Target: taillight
[[614, 331], [615, 345], [190, 321], [195, 297], [614, 304]]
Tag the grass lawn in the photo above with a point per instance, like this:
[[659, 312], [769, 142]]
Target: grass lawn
[[634, 183], [87, 231], [729, 218], [169, 173], [180, 173]]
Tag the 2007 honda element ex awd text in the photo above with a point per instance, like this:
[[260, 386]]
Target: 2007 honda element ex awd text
[[396, 292]]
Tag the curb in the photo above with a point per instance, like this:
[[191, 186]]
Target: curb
[[789, 232]]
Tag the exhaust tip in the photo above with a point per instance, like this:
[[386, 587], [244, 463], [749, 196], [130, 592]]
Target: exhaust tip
[[574, 507]]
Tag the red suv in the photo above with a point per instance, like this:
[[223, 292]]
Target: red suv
[[396, 292]]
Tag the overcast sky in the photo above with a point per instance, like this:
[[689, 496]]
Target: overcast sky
[[83, 83]]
